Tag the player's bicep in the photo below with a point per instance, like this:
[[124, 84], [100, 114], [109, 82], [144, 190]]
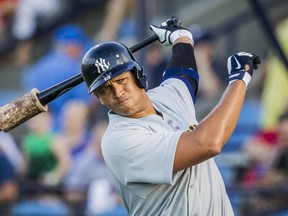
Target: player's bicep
[[191, 150]]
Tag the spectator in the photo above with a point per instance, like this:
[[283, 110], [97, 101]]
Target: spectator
[[88, 187], [267, 173], [7, 10], [29, 16], [47, 162], [212, 69], [8, 178], [74, 134], [280, 160], [213, 73], [61, 63], [258, 149], [119, 22], [12, 152], [155, 63], [267, 152], [8, 184]]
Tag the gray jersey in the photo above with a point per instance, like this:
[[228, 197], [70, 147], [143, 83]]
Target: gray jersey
[[140, 154]]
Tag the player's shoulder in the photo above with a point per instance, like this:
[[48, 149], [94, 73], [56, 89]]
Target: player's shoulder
[[169, 88], [167, 84]]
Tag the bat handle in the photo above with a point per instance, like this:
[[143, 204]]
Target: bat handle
[[150, 39], [57, 90]]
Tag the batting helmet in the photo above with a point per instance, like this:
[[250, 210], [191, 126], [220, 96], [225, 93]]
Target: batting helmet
[[107, 60]]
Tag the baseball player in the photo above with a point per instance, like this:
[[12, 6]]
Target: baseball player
[[162, 163]]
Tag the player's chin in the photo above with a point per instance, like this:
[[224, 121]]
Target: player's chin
[[125, 113], [125, 105], [120, 109], [124, 108]]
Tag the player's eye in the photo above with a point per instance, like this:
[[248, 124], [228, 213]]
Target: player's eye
[[121, 81], [104, 90]]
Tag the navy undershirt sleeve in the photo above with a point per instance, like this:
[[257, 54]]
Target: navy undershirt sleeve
[[182, 65], [183, 56]]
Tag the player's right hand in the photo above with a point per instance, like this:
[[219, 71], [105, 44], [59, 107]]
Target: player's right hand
[[170, 31], [240, 66]]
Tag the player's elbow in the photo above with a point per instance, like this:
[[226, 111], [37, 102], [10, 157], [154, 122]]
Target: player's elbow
[[215, 148], [211, 143], [212, 146], [193, 149]]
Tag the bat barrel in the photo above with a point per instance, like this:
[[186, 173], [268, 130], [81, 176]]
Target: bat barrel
[[20, 110]]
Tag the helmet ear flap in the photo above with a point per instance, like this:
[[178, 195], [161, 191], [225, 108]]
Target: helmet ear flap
[[140, 78]]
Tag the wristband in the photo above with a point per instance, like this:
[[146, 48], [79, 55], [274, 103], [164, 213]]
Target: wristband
[[241, 75], [180, 33]]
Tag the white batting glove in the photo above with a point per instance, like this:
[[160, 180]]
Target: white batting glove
[[170, 31], [240, 66]]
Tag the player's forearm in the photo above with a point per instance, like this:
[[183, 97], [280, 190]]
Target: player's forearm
[[212, 133], [183, 54], [219, 125]]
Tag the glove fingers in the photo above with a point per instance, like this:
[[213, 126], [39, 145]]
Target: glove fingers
[[152, 27], [174, 22], [161, 33], [163, 24], [170, 31], [256, 61], [156, 30]]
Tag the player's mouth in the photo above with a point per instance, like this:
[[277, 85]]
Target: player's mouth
[[123, 102]]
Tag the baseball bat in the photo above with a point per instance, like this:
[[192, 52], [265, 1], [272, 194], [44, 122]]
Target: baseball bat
[[32, 103], [55, 91]]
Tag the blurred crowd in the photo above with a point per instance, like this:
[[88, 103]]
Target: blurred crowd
[[56, 166]]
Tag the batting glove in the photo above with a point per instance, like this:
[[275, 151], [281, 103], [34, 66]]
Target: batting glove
[[240, 66], [170, 31]]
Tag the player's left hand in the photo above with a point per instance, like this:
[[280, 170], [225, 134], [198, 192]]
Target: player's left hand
[[170, 31], [240, 66]]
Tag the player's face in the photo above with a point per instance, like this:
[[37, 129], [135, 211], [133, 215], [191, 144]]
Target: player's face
[[122, 95]]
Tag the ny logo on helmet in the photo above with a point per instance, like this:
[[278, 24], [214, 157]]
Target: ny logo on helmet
[[101, 65], [107, 76]]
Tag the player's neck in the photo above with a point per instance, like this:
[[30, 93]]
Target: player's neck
[[147, 110]]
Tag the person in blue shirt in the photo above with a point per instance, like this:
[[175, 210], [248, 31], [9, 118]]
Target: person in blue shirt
[[62, 62]]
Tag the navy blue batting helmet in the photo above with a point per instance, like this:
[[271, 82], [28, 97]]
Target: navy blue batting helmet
[[107, 60]]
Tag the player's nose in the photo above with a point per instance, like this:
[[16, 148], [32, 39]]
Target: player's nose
[[118, 90]]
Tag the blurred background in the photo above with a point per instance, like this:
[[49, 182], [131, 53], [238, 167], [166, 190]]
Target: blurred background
[[52, 164]]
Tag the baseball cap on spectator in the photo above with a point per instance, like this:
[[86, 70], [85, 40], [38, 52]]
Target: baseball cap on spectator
[[70, 33]]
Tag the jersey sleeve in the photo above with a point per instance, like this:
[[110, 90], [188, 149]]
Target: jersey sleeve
[[140, 155]]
